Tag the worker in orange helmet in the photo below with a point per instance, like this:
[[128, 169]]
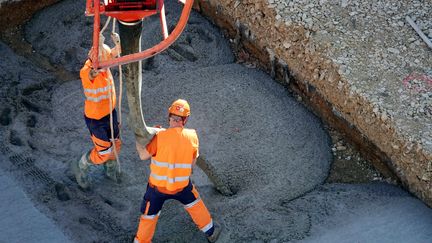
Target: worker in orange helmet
[[98, 86], [173, 154]]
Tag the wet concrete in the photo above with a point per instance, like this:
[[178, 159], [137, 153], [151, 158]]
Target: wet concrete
[[17, 210], [265, 145]]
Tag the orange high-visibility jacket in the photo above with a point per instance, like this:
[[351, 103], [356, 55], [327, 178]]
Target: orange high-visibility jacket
[[97, 92], [173, 152]]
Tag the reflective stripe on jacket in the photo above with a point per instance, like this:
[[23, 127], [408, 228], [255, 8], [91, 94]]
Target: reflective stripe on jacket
[[97, 92], [173, 152]]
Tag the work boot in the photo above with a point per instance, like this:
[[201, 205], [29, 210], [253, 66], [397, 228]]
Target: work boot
[[216, 232], [112, 170], [80, 170]]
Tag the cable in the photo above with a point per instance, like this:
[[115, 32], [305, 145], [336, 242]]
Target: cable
[[105, 26], [111, 87], [120, 78], [112, 127]]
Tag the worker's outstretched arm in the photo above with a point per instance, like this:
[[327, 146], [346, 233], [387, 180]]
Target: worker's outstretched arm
[[142, 151]]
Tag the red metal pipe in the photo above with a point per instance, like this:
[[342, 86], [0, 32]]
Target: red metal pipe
[[88, 8], [96, 26], [162, 18], [151, 51]]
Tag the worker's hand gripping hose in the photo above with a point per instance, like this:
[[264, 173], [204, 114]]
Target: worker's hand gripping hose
[[115, 38]]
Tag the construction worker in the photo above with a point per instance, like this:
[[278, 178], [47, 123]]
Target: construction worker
[[173, 153], [98, 86]]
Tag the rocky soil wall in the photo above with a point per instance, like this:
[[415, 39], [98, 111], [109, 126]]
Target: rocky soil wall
[[290, 54]]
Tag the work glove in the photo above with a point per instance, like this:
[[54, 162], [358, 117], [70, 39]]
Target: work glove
[[115, 38]]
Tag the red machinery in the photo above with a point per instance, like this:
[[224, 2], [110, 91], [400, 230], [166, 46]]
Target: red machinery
[[131, 11]]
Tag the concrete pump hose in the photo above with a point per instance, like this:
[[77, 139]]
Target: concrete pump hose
[[131, 43], [130, 34]]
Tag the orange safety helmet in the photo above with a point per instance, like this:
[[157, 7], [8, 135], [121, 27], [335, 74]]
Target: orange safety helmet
[[180, 108]]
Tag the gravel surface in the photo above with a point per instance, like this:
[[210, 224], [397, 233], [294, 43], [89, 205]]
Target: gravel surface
[[379, 53]]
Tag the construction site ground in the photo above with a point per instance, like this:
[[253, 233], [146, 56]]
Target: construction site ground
[[360, 66], [294, 178]]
